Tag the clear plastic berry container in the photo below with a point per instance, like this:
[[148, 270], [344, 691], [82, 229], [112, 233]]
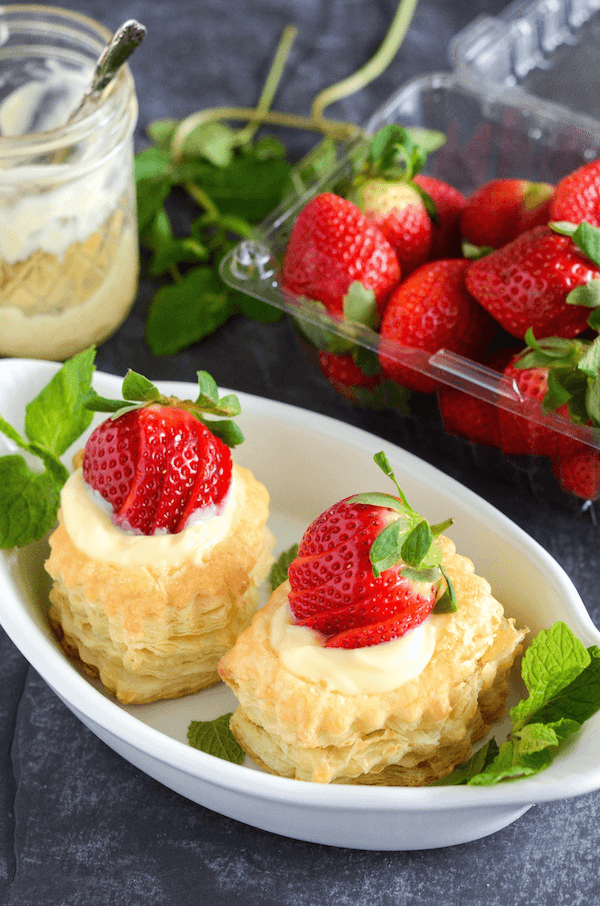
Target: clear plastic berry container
[[495, 112]]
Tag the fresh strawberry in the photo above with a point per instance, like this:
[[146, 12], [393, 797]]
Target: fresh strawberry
[[464, 415], [333, 245], [386, 190], [578, 473], [525, 284], [501, 209], [431, 310], [577, 196], [157, 463], [398, 210], [345, 375], [368, 569], [445, 228]]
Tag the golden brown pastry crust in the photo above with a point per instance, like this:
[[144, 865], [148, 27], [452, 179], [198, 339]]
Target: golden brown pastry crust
[[409, 736], [151, 633]]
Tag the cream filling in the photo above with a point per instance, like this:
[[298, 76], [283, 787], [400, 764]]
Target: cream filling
[[92, 532], [376, 668]]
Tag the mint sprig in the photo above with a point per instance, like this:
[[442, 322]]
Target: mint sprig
[[138, 392], [409, 539], [279, 570], [54, 419], [562, 677], [215, 738]]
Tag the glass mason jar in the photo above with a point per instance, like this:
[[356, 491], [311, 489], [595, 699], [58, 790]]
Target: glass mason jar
[[69, 259]]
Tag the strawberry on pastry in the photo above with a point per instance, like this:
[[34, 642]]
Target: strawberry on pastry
[[449, 204], [379, 660], [501, 209], [333, 245], [431, 310], [162, 544], [361, 577], [526, 284]]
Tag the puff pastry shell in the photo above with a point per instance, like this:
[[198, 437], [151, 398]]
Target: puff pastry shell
[[409, 736], [152, 633]]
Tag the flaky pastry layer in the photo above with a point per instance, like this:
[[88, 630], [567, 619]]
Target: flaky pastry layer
[[409, 736], [155, 633]]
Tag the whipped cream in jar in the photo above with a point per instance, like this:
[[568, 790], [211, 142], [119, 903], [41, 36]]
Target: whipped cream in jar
[[69, 259]]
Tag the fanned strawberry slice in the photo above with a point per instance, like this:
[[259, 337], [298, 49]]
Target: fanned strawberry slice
[[368, 561], [157, 462]]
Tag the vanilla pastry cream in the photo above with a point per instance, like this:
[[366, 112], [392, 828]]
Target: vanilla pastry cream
[[376, 668], [87, 520], [151, 616]]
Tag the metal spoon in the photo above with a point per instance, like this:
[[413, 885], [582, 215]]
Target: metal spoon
[[115, 54]]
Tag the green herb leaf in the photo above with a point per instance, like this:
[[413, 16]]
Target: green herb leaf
[[476, 764], [58, 415], [215, 738], [279, 570], [29, 502]]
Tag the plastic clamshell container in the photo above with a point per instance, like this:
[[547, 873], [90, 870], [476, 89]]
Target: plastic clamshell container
[[494, 128]]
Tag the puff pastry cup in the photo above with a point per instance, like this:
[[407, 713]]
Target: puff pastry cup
[[152, 633], [408, 737]]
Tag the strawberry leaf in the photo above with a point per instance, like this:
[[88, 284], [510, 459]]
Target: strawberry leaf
[[137, 387], [446, 603], [385, 550], [587, 295], [377, 498], [359, 305], [417, 543]]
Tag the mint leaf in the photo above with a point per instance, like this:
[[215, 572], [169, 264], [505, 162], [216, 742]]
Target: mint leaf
[[215, 738], [508, 766], [476, 764], [58, 415], [29, 503], [552, 661], [279, 570], [580, 699], [185, 312]]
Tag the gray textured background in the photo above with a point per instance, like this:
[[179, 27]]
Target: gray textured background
[[81, 827]]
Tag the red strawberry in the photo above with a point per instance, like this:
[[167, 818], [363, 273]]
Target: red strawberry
[[525, 284], [445, 228], [578, 196], [521, 435], [158, 463], [466, 416], [345, 375], [499, 210], [333, 245], [431, 310], [398, 210], [343, 587], [579, 472]]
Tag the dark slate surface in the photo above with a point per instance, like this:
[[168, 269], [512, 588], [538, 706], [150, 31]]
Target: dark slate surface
[[78, 824]]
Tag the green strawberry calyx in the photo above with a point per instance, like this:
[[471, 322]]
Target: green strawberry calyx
[[138, 392], [409, 539], [573, 370], [396, 154]]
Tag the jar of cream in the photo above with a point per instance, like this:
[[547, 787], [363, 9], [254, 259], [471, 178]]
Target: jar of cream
[[69, 259]]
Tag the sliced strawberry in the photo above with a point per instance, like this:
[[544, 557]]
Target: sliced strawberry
[[110, 459], [384, 630], [347, 577], [156, 465]]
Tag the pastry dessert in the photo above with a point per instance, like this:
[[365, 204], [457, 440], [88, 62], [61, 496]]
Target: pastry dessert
[[380, 660], [160, 551]]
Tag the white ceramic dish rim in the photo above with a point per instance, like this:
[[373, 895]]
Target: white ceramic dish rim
[[84, 698]]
